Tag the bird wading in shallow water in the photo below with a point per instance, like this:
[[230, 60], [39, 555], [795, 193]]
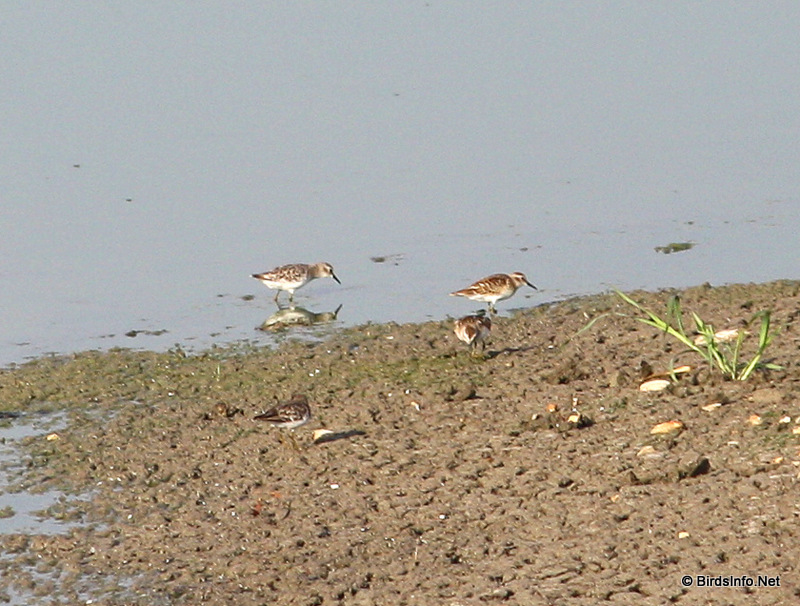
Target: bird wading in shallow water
[[473, 330], [288, 415], [494, 288], [294, 276]]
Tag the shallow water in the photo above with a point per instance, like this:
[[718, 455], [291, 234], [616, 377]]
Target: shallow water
[[155, 157], [27, 511]]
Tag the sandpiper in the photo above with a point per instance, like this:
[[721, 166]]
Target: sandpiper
[[473, 330], [294, 276], [494, 288], [288, 415]]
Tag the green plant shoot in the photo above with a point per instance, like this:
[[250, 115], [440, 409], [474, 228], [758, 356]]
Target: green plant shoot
[[727, 358]]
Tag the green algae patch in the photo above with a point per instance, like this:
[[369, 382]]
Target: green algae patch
[[674, 247]]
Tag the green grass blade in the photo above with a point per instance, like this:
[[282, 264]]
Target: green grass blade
[[737, 349], [764, 339], [675, 312], [589, 325], [655, 321], [725, 358]]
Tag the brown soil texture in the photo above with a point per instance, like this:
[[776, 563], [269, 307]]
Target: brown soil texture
[[527, 477]]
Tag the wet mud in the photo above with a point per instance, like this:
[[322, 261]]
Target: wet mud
[[530, 476]]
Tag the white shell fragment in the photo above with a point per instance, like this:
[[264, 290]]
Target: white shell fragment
[[647, 451], [667, 427], [754, 420], [721, 336], [320, 433], [654, 385], [579, 421], [661, 380]]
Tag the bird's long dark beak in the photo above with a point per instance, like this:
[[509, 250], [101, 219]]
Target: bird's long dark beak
[[333, 275], [531, 285]]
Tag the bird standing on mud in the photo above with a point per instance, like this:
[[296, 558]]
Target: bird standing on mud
[[473, 330], [288, 415]]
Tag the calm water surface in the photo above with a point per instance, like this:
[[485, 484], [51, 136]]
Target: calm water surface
[[155, 156]]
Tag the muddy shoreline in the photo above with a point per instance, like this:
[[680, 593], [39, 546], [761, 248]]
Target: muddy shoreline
[[530, 477]]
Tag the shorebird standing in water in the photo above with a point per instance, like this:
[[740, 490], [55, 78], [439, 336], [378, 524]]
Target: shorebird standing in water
[[494, 288], [294, 276], [473, 330]]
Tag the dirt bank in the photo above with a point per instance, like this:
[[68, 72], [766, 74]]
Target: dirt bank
[[448, 481]]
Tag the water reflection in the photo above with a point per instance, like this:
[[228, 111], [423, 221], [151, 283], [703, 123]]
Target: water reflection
[[297, 316]]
